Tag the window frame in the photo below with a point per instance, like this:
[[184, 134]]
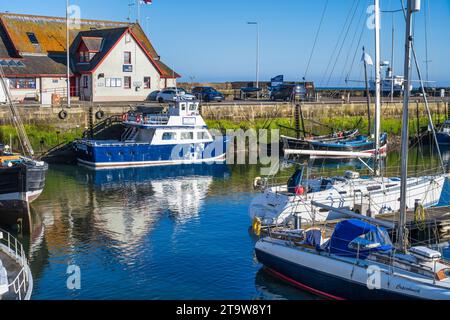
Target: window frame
[[147, 82], [125, 84], [125, 61]]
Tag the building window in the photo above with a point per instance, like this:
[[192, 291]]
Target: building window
[[85, 56], [113, 82], [22, 83], [85, 82], [127, 82], [147, 83], [127, 57], [32, 37]]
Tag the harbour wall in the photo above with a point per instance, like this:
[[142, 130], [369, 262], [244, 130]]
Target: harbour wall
[[78, 115]]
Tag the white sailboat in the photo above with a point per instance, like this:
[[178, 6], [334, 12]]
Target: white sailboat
[[359, 261], [281, 204]]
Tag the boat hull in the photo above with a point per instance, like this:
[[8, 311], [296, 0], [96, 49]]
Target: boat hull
[[343, 278], [321, 284], [127, 155], [24, 182], [443, 138]]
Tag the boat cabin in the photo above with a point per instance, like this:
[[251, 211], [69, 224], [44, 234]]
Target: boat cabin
[[179, 123]]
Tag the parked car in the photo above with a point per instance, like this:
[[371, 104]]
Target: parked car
[[208, 94], [153, 96], [172, 94], [286, 92]]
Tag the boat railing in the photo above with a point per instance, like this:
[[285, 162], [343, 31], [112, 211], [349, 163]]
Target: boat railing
[[148, 119], [22, 285]]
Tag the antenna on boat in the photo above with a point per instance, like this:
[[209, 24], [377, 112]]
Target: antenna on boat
[[413, 7]]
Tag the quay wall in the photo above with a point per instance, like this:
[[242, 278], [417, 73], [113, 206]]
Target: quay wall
[[78, 115]]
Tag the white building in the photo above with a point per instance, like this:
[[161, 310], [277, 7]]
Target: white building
[[110, 61]]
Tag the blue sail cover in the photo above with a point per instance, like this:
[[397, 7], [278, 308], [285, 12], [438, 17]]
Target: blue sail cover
[[370, 238]]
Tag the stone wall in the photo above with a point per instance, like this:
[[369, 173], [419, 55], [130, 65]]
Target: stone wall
[[79, 115]]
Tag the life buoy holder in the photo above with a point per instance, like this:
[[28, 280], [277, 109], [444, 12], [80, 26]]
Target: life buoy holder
[[62, 115]]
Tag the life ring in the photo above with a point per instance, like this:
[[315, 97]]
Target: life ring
[[256, 226], [125, 117], [62, 115], [257, 183], [138, 119], [99, 115]]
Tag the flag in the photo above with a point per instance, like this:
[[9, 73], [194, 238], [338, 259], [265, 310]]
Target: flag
[[146, 1], [367, 59]]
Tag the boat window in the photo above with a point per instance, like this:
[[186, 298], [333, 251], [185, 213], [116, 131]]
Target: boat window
[[203, 135], [183, 106], [192, 107], [167, 136], [373, 188], [391, 185], [187, 136], [371, 240]]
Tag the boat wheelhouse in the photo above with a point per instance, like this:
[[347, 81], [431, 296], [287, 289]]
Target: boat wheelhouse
[[171, 135]]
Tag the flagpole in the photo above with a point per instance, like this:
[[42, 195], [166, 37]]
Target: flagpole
[[68, 54]]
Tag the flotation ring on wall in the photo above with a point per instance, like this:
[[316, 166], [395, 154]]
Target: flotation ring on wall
[[99, 115], [62, 115]]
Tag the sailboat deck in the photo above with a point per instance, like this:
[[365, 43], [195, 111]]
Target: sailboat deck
[[436, 223]]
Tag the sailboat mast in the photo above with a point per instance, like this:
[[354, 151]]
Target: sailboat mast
[[377, 87], [366, 78], [413, 6]]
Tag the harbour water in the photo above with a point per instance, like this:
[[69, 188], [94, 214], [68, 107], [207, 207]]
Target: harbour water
[[156, 233]]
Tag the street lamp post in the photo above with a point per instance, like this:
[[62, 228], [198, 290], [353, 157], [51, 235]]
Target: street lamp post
[[257, 53]]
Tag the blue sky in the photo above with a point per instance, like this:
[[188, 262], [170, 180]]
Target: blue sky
[[210, 40]]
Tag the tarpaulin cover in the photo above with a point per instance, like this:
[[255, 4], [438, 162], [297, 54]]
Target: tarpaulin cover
[[350, 230]]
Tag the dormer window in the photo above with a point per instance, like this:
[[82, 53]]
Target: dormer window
[[85, 56], [88, 48], [32, 37]]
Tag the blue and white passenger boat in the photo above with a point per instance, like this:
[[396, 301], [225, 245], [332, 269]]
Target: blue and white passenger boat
[[156, 136]]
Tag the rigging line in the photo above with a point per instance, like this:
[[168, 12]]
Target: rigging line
[[363, 29], [337, 43], [352, 43], [316, 38], [427, 61], [343, 43], [356, 49]]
